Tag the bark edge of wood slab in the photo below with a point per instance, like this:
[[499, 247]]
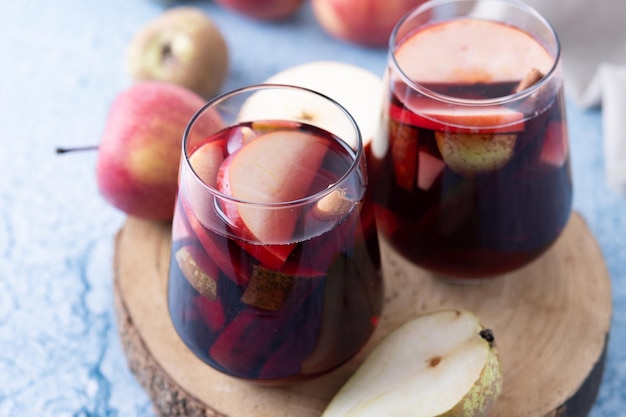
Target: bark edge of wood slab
[[551, 321]]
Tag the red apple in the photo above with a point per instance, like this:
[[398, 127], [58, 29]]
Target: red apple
[[364, 22], [263, 9], [139, 155]]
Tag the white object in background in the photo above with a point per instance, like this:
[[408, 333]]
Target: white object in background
[[612, 80], [593, 38], [593, 50]]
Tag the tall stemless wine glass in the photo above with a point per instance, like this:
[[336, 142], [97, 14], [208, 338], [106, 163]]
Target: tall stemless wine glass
[[471, 167], [275, 268]]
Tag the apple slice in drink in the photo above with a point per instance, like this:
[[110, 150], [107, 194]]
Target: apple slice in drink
[[181, 230], [555, 150], [242, 135], [211, 312], [333, 207], [403, 153], [217, 249], [253, 336], [470, 141], [429, 168], [246, 342], [469, 51], [239, 137], [275, 167], [422, 112], [272, 256], [205, 162]]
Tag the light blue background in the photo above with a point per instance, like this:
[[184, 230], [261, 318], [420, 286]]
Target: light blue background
[[61, 65]]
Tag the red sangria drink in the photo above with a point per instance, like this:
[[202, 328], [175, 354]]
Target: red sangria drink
[[275, 269], [471, 169]]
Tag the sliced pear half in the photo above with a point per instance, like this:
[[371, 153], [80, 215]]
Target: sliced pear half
[[440, 364], [355, 88]]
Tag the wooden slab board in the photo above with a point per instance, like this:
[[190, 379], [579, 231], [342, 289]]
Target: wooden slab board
[[551, 321]]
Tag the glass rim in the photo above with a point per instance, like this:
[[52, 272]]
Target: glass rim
[[431, 4], [354, 164]]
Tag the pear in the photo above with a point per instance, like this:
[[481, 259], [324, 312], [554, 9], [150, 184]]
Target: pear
[[475, 153], [181, 46], [199, 270], [440, 364]]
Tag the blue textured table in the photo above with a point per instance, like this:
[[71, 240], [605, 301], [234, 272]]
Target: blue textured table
[[61, 65]]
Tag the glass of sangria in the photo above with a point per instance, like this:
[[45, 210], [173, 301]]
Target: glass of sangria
[[471, 169], [275, 271]]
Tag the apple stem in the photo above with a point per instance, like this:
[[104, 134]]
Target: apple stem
[[77, 149]]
